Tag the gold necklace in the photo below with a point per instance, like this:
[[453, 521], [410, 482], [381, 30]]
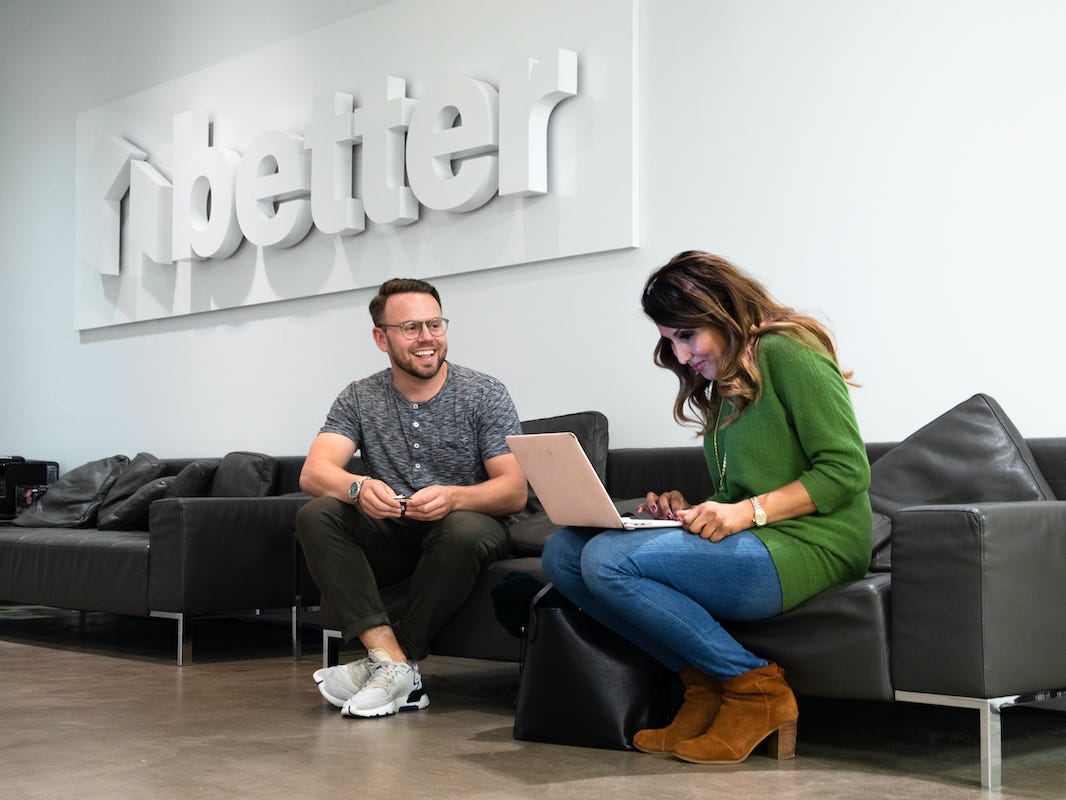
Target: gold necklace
[[714, 438]]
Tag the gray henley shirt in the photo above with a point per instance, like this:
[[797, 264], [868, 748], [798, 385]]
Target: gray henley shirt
[[443, 441]]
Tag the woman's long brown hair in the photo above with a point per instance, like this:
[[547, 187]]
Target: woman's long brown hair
[[696, 290]]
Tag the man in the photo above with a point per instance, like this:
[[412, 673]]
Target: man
[[438, 480]]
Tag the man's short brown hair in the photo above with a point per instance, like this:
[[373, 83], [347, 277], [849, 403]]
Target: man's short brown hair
[[398, 286]]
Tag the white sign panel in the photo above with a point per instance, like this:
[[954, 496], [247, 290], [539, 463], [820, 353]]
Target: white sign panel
[[418, 139]]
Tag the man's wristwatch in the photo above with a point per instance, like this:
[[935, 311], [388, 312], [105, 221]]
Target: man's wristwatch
[[353, 490], [759, 517]]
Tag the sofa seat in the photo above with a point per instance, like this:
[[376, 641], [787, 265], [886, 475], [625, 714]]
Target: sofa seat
[[84, 569], [832, 645]]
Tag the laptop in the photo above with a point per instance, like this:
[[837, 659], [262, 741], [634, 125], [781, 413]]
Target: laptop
[[567, 484]]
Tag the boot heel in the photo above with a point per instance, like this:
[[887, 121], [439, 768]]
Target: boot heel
[[781, 744]]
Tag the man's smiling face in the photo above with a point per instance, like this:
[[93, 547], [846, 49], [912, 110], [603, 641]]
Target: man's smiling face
[[422, 356]]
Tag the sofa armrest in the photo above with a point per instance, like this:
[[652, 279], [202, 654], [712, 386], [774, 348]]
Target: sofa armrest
[[221, 553], [978, 593]]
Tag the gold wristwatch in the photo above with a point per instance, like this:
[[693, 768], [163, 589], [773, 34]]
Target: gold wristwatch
[[759, 517]]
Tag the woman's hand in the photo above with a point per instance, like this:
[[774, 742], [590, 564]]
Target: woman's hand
[[715, 521], [665, 505]]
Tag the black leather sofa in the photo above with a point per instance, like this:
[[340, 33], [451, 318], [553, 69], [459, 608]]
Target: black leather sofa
[[200, 556], [962, 604]]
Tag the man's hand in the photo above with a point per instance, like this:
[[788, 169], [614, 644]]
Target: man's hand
[[378, 500], [431, 503]]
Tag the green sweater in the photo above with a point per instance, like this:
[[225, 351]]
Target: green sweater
[[801, 426]]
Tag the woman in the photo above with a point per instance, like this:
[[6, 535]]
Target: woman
[[790, 515]]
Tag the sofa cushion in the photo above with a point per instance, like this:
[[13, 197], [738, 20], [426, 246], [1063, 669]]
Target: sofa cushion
[[75, 569], [132, 514], [590, 428], [74, 499], [194, 479], [970, 454], [144, 468], [834, 644], [245, 475], [530, 533]]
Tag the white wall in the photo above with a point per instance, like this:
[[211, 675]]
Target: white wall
[[896, 166]]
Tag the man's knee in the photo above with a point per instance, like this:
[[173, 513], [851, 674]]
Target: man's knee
[[471, 532], [315, 519]]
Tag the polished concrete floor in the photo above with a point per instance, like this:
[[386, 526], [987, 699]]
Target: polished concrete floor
[[94, 707]]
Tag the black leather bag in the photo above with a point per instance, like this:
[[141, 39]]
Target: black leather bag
[[583, 684]]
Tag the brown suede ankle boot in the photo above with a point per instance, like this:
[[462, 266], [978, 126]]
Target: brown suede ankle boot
[[756, 705], [703, 698]]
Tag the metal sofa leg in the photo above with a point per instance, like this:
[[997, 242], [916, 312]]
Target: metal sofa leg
[[297, 631], [991, 746], [991, 741], [331, 647], [184, 633], [297, 600]]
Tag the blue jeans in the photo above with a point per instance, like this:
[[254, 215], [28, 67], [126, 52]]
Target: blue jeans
[[665, 590]]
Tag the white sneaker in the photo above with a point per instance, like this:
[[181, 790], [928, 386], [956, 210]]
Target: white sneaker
[[393, 686], [339, 684]]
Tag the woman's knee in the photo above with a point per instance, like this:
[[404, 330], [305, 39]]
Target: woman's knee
[[605, 559], [562, 554]]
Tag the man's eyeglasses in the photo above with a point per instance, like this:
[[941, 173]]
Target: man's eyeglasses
[[413, 327]]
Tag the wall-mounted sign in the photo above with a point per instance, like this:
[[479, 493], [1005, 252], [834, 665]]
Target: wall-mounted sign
[[418, 139]]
